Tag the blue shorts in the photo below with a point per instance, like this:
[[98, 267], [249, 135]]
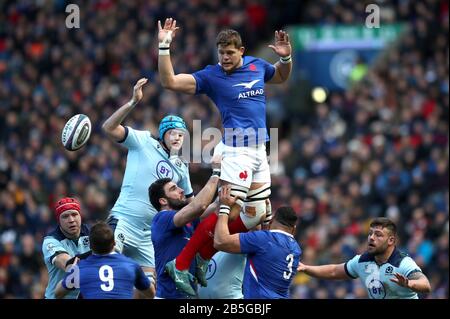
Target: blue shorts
[[133, 242]]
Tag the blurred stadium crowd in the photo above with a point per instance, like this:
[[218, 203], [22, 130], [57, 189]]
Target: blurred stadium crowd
[[377, 149]]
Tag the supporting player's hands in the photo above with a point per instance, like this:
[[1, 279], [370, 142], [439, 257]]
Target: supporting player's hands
[[137, 91], [282, 46], [400, 280], [225, 197], [167, 33]]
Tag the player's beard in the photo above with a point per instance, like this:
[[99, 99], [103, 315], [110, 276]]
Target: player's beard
[[177, 204]]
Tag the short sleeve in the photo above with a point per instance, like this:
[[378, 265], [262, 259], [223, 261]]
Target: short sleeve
[[52, 248], [252, 242], [135, 139], [269, 70], [141, 282], [351, 267], [408, 266], [202, 83]]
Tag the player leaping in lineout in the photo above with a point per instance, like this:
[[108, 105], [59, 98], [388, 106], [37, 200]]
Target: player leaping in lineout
[[236, 85]]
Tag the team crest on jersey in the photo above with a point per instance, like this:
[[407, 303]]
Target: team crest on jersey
[[86, 241], [389, 270], [51, 248], [121, 237], [164, 170], [178, 162]]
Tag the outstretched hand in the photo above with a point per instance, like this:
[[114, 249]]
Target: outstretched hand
[[137, 90], [400, 280], [282, 46], [167, 33], [301, 267]]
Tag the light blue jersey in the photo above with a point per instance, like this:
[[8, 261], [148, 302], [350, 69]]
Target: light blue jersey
[[376, 277], [56, 243], [147, 162], [225, 275]]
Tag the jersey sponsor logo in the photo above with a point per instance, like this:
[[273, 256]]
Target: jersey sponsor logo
[[243, 175], [250, 94], [376, 289], [164, 170], [212, 268], [248, 85]]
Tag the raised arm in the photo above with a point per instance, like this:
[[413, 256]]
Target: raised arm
[[183, 83], [223, 240], [199, 204], [333, 271], [283, 48], [112, 126]]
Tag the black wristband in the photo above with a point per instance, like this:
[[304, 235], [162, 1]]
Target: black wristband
[[216, 172]]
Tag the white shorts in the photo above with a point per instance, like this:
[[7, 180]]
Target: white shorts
[[243, 165]]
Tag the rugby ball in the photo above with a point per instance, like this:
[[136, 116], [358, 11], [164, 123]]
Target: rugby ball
[[76, 132]]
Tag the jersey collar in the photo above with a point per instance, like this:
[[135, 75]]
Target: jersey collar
[[394, 259], [281, 231]]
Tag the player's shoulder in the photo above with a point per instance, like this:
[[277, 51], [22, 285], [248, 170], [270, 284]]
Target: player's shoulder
[[140, 134], [210, 68], [123, 259], [364, 258], [55, 234], [251, 59], [163, 214], [398, 257]]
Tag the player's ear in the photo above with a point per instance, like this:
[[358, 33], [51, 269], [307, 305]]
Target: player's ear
[[242, 50], [391, 240], [163, 201]]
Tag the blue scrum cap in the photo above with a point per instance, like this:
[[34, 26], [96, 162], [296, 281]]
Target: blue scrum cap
[[170, 122]]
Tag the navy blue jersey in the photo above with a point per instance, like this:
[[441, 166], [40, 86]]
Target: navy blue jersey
[[272, 260], [169, 241], [56, 243], [240, 98], [112, 276]]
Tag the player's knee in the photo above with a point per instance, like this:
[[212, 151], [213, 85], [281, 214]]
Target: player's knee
[[255, 206]]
